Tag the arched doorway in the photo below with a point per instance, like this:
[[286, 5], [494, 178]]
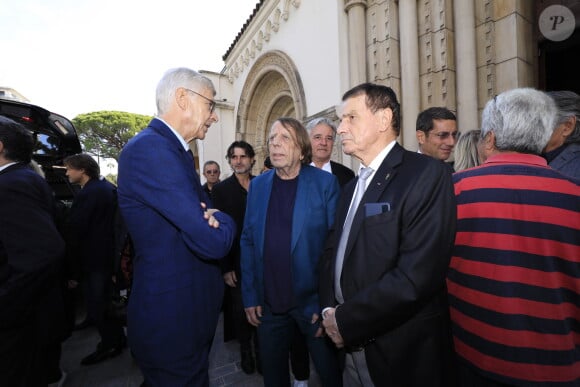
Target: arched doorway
[[272, 89]]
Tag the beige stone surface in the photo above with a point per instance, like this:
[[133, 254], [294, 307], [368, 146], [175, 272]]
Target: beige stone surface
[[503, 8], [438, 89]]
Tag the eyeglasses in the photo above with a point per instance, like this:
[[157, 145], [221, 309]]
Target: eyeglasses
[[212, 171], [445, 135], [211, 101]]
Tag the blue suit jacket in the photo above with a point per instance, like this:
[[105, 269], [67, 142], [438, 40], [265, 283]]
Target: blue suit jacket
[[568, 162], [316, 200], [177, 285]]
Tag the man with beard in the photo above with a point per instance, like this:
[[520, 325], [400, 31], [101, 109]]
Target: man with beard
[[230, 196]]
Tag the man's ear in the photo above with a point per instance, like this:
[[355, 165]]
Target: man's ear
[[181, 98], [420, 136], [386, 119], [489, 141], [568, 126]]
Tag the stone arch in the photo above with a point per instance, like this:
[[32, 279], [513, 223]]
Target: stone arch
[[272, 89]]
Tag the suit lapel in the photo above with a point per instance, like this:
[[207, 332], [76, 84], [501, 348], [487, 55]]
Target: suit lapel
[[381, 180], [264, 191], [301, 204]]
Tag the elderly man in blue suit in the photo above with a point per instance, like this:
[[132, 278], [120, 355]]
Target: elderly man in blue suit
[[289, 212], [177, 284]]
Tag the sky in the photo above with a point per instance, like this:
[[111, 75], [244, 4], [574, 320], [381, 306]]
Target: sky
[[80, 56]]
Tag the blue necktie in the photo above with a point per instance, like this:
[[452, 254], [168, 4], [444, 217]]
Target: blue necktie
[[358, 194]]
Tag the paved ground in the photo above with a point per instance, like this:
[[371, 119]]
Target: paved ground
[[122, 371]]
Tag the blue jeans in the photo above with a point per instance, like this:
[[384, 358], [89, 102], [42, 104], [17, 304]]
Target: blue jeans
[[275, 335]]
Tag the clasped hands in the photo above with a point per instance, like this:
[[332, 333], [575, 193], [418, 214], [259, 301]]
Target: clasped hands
[[331, 327], [208, 215]]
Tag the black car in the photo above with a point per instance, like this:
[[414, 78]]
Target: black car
[[56, 138]]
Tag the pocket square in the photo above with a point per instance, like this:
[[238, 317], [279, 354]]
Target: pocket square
[[372, 209]]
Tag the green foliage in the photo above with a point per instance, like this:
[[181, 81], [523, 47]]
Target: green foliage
[[105, 133]]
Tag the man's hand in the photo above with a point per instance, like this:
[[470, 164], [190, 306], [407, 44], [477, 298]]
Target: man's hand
[[208, 214], [320, 330], [72, 284], [230, 279], [253, 314], [331, 328]]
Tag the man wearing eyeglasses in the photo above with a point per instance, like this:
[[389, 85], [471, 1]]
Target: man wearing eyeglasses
[[437, 132], [211, 172], [177, 283]]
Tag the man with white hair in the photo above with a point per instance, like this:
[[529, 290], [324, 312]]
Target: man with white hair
[[177, 283], [514, 273], [322, 134]]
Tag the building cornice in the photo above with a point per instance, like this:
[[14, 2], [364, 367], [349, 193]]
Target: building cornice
[[255, 35]]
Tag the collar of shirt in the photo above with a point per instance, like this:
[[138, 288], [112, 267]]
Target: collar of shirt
[[516, 158], [326, 167], [7, 165], [377, 161], [181, 140]]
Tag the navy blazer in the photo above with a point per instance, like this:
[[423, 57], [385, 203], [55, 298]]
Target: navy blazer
[[314, 209], [177, 284], [393, 276]]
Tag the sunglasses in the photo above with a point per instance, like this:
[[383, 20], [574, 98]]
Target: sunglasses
[[212, 171]]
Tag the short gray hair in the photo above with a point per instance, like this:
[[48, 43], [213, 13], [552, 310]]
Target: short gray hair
[[521, 119], [321, 120], [176, 78], [568, 104]]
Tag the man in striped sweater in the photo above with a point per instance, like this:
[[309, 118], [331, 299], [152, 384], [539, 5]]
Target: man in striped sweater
[[514, 278]]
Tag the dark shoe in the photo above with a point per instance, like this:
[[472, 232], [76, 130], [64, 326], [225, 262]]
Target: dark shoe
[[102, 354], [248, 364]]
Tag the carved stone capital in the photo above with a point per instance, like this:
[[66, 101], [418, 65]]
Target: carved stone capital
[[348, 4]]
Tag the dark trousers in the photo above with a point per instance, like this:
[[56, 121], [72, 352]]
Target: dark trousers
[[98, 288], [244, 331], [299, 359], [275, 334]]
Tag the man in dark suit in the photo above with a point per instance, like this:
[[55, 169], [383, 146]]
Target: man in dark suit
[[230, 197], [177, 282], [31, 253], [322, 134], [90, 237], [383, 274]]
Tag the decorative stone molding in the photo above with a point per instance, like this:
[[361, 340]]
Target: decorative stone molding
[[260, 36], [272, 89]]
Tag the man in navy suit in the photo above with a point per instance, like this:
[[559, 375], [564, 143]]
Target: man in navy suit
[[322, 136], [383, 283], [177, 282], [289, 212], [90, 237], [31, 253]]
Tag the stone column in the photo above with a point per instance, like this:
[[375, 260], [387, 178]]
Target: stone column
[[464, 20], [357, 54], [410, 97]]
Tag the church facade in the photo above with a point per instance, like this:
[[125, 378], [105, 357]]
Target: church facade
[[297, 57]]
